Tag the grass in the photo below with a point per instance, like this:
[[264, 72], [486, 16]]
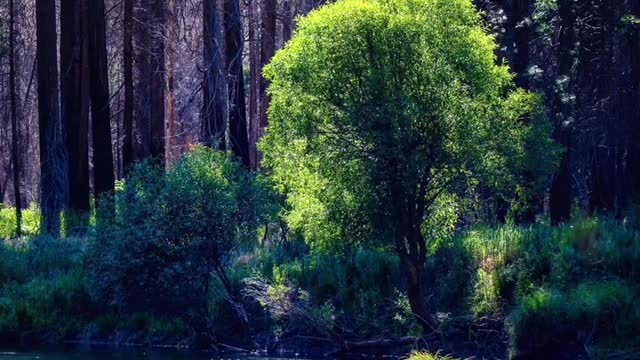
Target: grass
[[30, 222], [604, 315], [557, 288], [421, 355], [571, 284]]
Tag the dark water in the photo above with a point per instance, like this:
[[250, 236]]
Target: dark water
[[119, 355]]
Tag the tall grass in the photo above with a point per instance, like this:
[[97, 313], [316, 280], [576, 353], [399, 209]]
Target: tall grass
[[570, 284], [30, 222]]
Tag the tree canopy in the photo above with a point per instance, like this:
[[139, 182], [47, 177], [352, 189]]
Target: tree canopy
[[381, 107]]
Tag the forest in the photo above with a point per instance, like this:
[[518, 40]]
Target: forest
[[406, 179]]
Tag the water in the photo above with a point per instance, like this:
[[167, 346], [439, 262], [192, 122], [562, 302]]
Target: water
[[118, 355]]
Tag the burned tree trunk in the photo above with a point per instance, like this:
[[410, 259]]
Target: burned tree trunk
[[268, 49], [74, 99], [254, 86], [560, 197], [15, 131], [103, 175], [149, 33], [238, 135], [170, 102], [213, 101], [127, 65], [53, 157], [287, 21]]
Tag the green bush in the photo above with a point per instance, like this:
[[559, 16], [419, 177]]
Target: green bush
[[603, 314], [171, 231], [61, 305], [30, 222], [421, 355]]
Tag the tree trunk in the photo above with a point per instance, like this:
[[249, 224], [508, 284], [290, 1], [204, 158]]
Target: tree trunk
[[415, 291], [53, 158], [213, 101], [74, 99], [15, 131], [408, 214], [103, 175], [238, 134], [254, 88], [268, 49], [149, 119], [287, 21], [560, 197], [127, 65], [633, 119], [170, 102]]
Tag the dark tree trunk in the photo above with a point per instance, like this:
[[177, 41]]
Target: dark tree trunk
[[268, 49], [560, 197], [519, 60], [213, 100], [103, 175], [287, 21], [254, 87], [15, 131], [414, 272], [127, 65], [53, 158], [238, 134], [602, 54], [408, 215], [74, 99], [170, 102], [149, 119], [632, 175]]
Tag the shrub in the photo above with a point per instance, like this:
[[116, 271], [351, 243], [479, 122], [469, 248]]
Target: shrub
[[550, 321], [421, 355], [171, 231], [30, 222], [61, 305]]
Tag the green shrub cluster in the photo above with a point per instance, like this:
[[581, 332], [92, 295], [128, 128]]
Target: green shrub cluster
[[421, 355], [43, 289], [172, 231], [30, 222], [574, 283], [603, 314]]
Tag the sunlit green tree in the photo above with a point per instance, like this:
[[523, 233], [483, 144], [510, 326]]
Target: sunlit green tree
[[379, 107]]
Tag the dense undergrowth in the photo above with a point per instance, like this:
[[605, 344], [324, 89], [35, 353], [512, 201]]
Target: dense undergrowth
[[553, 288]]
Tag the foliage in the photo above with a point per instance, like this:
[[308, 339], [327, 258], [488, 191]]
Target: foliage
[[412, 106], [42, 287], [557, 286], [605, 314], [421, 355], [545, 17], [171, 231], [30, 221]]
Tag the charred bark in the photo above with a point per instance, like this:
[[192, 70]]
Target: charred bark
[[267, 51], [53, 156], [15, 131], [254, 86], [560, 196], [103, 175], [127, 65], [149, 36], [74, 99], [213, 100], [238, 134]]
